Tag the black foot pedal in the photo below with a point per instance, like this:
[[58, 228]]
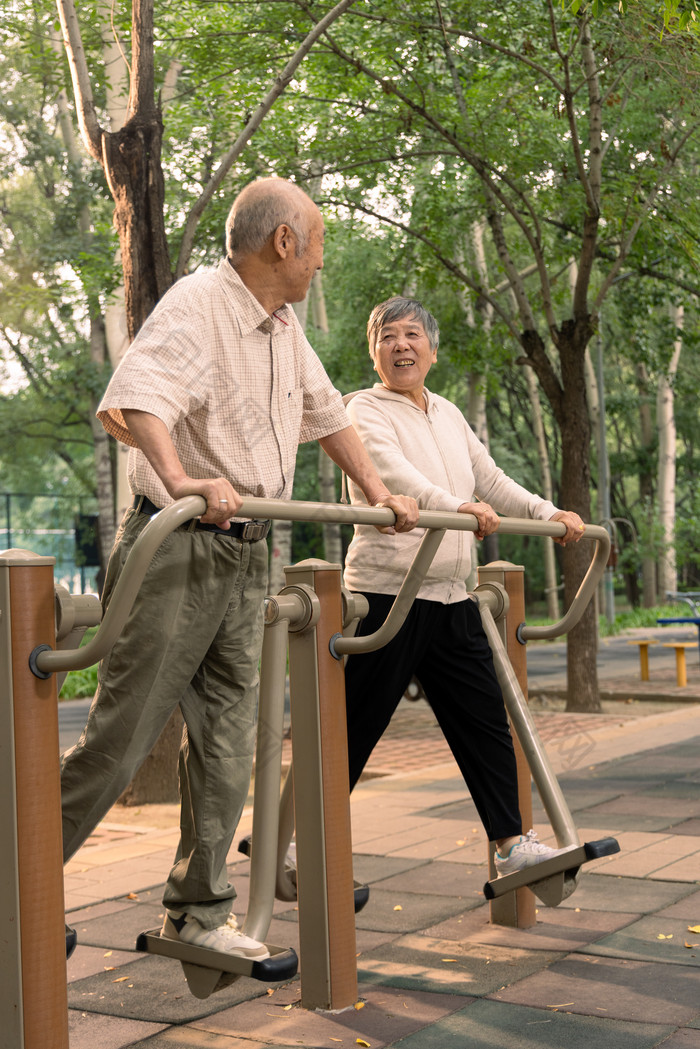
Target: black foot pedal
[[71, 941], [553, 880], [208, 971]]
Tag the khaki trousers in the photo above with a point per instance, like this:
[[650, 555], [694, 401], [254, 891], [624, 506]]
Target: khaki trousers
[[193, 638]]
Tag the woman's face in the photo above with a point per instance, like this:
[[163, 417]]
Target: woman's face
[[403, 357]]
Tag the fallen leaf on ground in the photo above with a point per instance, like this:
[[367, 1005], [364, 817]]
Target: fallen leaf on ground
[[359, 1005], [694, 928], [132, 896], [398, 907], [120, 979], [361, 1041], [691, 945], [662, 937]]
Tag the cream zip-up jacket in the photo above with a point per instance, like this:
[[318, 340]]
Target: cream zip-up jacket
[[437, 458]]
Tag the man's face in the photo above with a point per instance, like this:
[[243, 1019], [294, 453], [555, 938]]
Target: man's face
[[403, 357], [301, 266]]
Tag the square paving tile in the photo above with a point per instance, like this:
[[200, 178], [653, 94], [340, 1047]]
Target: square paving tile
[[88, 961], [154, 988], [189, 1038], [616, 988], [398, 912], [90, 1031], [684, 1038], [386, 1015], [441, 879], [556, 929], [688, 907], [691, 826], [121, 928], [420, 962], [369, 868], [603, 892], [498, 1025], [653, 938]]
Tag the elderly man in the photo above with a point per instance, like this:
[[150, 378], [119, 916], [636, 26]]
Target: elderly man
[[421, 444], [214, 396]]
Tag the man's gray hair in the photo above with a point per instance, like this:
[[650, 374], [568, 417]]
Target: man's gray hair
[[395, 309], [257, 212]]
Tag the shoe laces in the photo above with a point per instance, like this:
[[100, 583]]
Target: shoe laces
[[531, 843], [230, 927]]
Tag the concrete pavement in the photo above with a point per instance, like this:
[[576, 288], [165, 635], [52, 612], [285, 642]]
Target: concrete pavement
[[615, 965]]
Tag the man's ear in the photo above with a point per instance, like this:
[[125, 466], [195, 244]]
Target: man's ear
[[282, 240]]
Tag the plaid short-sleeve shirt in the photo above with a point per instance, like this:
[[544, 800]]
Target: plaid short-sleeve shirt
[[238, 390]]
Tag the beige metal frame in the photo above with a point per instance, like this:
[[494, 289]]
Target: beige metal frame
[[316, 646]]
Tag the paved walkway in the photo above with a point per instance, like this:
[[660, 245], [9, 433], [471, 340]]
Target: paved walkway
[[615, 965]]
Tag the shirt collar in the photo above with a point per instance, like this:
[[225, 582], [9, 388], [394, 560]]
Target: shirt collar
[[251, 315]]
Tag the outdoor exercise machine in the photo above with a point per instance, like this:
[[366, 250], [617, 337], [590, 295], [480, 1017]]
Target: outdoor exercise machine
[[317, 616]]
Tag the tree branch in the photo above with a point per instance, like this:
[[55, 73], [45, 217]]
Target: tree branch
[[90, 129], [227, 161], [646, 206], [448, 263]]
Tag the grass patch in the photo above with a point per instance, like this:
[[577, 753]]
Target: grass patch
[[80, 684], [634, 619]]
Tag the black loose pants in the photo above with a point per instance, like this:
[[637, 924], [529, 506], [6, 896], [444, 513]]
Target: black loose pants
[[446, 648]]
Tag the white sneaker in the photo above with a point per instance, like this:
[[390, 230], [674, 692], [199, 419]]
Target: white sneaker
[[526, 853], [228, 938]]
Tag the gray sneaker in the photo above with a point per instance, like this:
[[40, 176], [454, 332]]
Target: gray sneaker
[[528, 852], [228, 938]]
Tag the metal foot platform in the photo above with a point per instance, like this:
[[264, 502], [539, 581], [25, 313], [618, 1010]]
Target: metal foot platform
[[361, 892], [208, 971], [553, 881]]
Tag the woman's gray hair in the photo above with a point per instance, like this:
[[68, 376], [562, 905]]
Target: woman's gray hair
[[395, 309], [257, 212]]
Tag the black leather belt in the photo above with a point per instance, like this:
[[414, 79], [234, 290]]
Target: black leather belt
[[246, 531]]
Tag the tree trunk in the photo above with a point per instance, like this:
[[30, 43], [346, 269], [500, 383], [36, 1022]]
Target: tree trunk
[[103, 462], [156, 782], [646, 486], [280, 554], [103, 459], [567, 396], [546, 490], [135, 176], [666, 423], [332, 542]]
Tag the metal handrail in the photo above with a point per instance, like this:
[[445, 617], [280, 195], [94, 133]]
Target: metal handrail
[[47, 660]]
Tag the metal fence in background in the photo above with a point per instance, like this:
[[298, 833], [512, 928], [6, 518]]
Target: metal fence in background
[[56, 525]]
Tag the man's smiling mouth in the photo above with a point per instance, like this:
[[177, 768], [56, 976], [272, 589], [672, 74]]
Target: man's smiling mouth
[[405, 363]]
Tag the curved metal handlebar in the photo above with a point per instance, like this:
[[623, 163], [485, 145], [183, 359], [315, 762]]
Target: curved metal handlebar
[[48, 660]]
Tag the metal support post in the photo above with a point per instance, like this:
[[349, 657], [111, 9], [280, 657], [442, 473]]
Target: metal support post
[[516, 909], [33, 994], [321, 800]]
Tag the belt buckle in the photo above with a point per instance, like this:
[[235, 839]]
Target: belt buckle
[[253, 530]]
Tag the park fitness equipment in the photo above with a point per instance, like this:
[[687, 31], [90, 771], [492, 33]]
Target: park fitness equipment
[[309, 609]]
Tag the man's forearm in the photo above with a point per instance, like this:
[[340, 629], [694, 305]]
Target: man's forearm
[[152, 436]]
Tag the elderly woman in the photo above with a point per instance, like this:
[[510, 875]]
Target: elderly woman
[[422, 446]]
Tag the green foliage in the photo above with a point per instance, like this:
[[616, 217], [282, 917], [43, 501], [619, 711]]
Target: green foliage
[[79, 684], [676, 14]]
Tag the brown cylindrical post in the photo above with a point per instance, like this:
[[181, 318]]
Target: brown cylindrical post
[[321, 800], [33, 994], [517, 908]]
